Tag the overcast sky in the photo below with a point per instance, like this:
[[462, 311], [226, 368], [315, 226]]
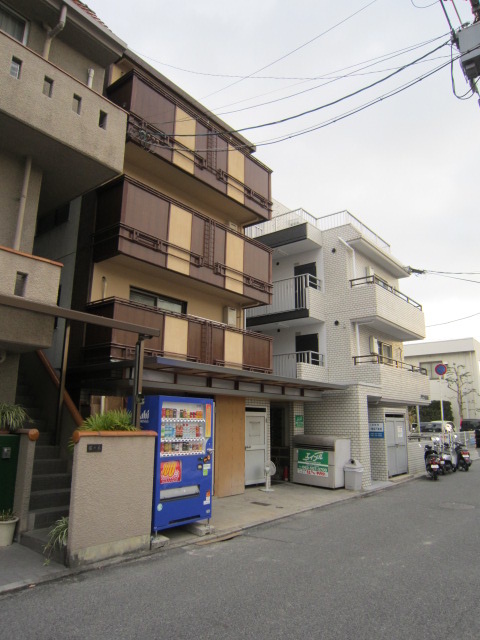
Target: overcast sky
[[407, 166]]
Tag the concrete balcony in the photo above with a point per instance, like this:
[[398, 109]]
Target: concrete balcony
[[75, 135], [385, 309], [34, 279], [302, 365], [182, 337], [296, 301], [399, 383]]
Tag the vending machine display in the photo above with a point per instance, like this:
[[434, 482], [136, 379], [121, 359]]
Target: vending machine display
[[183, 476]]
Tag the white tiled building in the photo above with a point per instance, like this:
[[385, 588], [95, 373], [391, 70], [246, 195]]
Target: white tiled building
[[463, 352], [338, 316]]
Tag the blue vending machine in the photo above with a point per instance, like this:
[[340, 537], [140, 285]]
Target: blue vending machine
[[183, 475]]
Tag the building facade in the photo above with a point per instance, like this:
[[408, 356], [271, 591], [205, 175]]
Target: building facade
[[462, 355], [59, 137], [338, 316]]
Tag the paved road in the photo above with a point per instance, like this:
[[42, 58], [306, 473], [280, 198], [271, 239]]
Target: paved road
[[401, 564]]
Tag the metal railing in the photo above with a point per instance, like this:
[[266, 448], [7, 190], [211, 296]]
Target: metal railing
[[325, 223], [375, 358], [286, 364], [289, 295], [381, 283]]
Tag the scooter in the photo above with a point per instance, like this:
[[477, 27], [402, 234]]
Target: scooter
[[432, 464], [450, 458], [444, 458], [463, 457]]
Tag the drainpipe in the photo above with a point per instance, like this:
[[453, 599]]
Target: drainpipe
[[354, 270], [91, 73], [23, 203], [53, 33]]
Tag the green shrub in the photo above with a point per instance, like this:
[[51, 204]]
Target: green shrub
[[12, 416], [115, 420]]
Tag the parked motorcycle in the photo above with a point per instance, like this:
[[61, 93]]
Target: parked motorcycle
[[463, 457], [449, 456], [432, 463]]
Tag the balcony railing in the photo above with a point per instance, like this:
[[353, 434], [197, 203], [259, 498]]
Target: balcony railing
[[201, 340], [285, 364], [375, 358], [332, 221], [381, 283], [289, 295]]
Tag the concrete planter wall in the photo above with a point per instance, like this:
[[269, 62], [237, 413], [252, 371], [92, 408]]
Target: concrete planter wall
[[111, 497]]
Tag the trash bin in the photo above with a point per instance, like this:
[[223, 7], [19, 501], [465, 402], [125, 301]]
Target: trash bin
[[353, 475]]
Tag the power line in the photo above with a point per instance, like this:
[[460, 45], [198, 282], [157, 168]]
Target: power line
[[291, 52], [328, 104], [428, 326]]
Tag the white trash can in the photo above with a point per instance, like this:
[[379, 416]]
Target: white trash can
[[353, 475]]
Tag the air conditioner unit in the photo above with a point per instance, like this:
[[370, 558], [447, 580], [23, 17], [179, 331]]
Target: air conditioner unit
[[230, 316]]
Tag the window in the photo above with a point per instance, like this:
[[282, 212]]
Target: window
[[157, 301], [77, 104], [13, 24], [15, 68], [47, 87], [102, 120], [430, 367], [382, 349], [20, 284]]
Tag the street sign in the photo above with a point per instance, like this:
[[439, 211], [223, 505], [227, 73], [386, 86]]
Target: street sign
[[441, 369]]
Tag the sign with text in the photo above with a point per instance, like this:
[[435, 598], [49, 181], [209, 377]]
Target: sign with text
[[298, 422], [376, 430], [312, 463], [170, 471]]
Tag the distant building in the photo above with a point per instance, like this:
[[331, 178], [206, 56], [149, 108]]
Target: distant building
[[462, 351]]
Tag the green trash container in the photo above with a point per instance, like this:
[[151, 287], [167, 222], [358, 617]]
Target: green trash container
[[9, 447]]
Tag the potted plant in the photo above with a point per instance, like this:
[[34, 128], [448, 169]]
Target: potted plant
[[12, 416], [8, 521]]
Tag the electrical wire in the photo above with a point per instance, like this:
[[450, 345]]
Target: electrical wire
[[427, 6], [466, 95], [323, 106], [291, 52], [439, 324], [453, 277]]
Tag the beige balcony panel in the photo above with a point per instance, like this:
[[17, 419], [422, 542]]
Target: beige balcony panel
[[386, 312], [396, 385], [35, 279], [79, 150]]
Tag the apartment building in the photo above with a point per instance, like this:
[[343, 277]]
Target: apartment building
[[462, 355], [338, 316], [59, 137]]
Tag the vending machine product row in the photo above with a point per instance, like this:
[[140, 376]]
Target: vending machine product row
[[183, 472]]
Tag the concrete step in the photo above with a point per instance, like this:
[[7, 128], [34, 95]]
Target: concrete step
[[49, 498], [36, 423], [46, 452], [45, 438], [49, 466], [37, 539], [47, 481], [46, 517]]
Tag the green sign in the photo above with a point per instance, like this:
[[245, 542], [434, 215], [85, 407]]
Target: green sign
[[312, 463], [298, 422]]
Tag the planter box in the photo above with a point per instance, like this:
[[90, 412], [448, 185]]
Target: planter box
[[7, 531]]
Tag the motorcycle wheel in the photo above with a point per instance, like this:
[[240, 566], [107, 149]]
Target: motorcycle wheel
[[467, 467], [435, 476]]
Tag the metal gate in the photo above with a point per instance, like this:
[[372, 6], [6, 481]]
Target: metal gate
[[396, 434]]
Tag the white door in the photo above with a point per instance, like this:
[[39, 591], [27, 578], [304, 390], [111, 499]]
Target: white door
[[255, 448], [396, 434]]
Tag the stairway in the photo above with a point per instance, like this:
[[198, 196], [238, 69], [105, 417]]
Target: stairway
[[50, 492]]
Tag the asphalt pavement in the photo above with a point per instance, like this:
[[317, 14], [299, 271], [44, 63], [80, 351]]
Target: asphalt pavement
[[395, 564]]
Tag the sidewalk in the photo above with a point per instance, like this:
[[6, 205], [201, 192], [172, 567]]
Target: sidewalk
[[22, 568]]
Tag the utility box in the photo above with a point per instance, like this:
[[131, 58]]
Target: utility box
[[353, 475], [319, 460], [469, 46]]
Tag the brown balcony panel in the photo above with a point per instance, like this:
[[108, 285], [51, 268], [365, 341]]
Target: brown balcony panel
[[151, 125], [136, 221], [205, 343]]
